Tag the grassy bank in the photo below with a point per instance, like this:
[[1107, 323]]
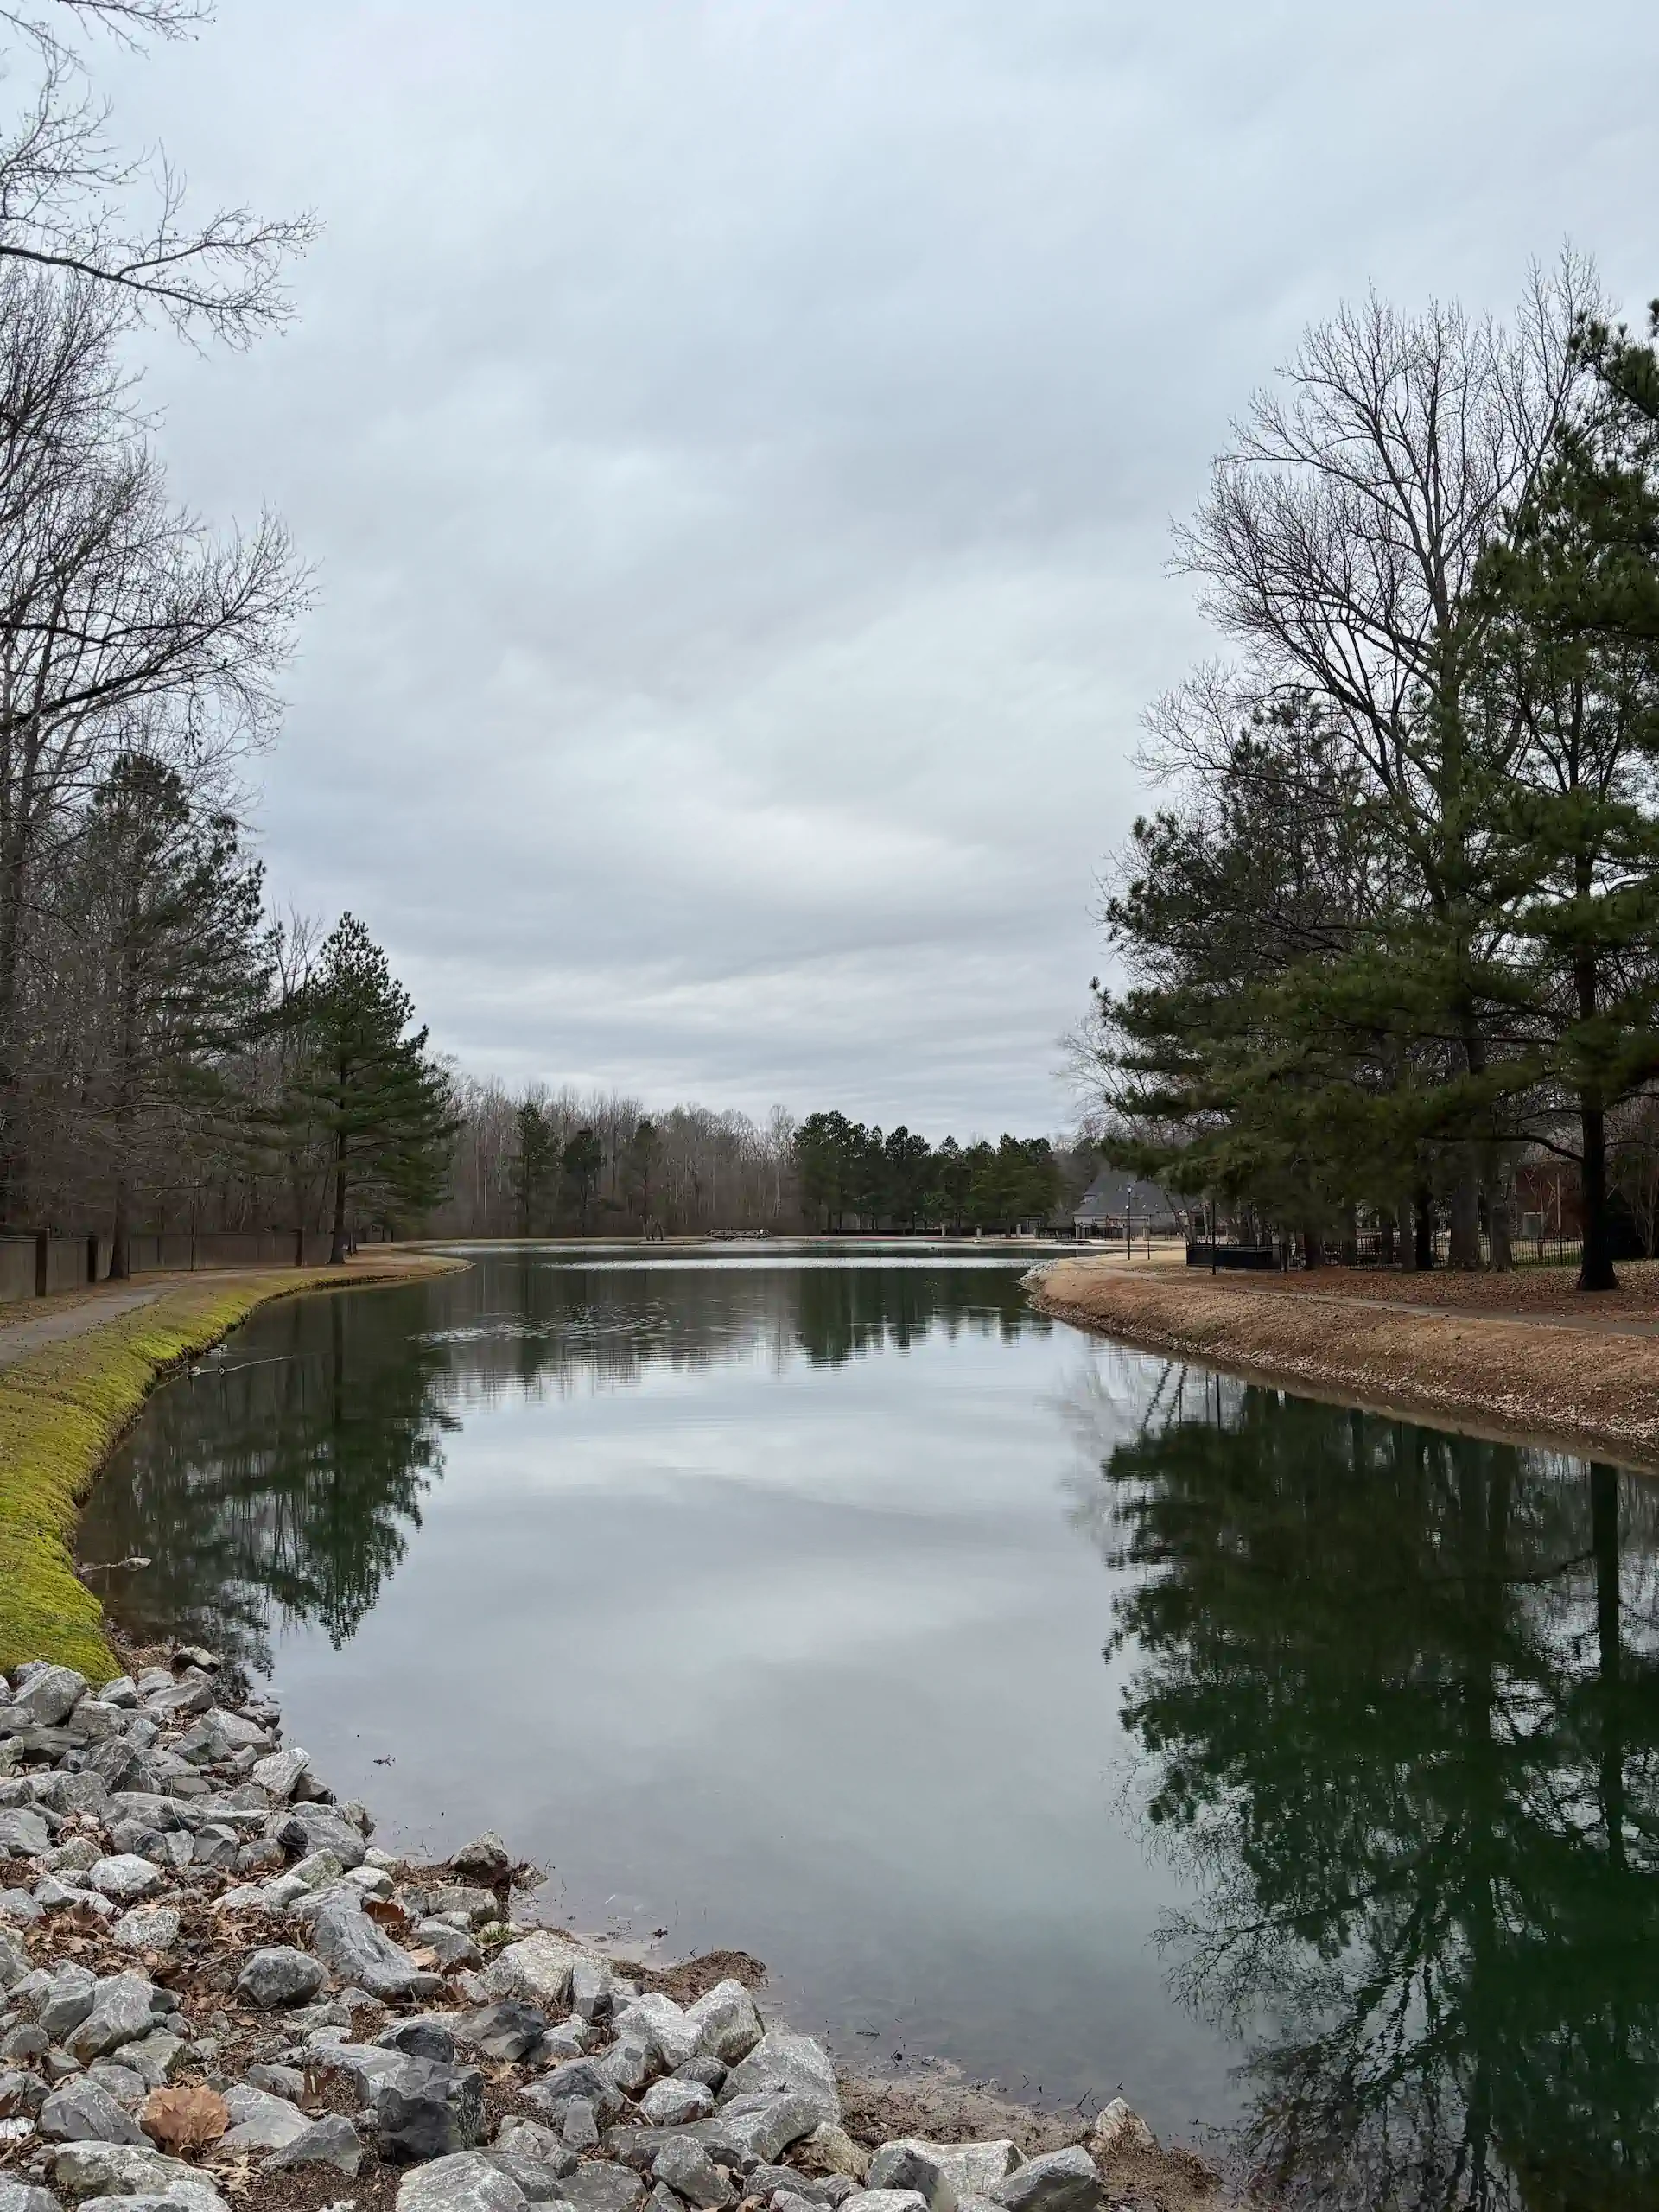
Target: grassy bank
[[62, 1409], [1589, 1389]]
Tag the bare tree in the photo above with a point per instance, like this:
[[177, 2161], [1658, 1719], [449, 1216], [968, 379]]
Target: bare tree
[[114, 607], [1337, 546], [70, 201]]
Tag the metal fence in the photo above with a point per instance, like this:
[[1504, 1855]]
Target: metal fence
[[36, 1263]]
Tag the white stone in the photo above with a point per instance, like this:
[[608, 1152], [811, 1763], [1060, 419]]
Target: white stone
[[147, 1928], [125, 1877]]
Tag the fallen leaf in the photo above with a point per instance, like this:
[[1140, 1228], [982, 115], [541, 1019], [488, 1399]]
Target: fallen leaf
[[424, 1957], [184, 2120], [386, 1910]]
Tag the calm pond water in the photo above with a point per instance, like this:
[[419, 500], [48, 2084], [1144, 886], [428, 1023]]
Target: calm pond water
[[1022, 1699]]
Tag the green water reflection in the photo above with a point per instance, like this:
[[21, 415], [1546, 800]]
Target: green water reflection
[[282, 1482], [1399, 1697], [1392, 1694]]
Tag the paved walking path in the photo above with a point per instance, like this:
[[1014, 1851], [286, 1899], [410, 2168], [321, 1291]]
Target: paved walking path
[[19, 1337]]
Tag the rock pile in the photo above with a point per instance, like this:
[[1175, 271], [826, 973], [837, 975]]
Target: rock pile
[[213, 1987]]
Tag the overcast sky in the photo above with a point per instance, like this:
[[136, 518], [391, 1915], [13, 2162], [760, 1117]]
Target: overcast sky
[[738, 440]]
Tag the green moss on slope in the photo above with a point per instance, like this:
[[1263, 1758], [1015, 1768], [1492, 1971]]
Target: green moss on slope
[[62, 1410]]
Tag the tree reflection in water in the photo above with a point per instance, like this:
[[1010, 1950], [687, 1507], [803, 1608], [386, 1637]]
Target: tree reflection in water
[[282, 1483], [1398, 1695]]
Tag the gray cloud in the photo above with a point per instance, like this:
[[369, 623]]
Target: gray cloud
[[737, 441]]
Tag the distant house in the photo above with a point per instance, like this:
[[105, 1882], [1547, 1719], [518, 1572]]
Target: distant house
[[1114, 1200]]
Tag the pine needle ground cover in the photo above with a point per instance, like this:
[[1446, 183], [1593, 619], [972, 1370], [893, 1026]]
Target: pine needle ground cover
[[62, 1409], [1589, 1383]]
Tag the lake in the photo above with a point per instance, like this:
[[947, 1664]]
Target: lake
[[1026, 1701]]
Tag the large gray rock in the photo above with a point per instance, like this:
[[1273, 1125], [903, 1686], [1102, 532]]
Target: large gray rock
[[181, 1700], [311, 1828], [784, 2062], [673, 2102], [507, 2031], [81, 2111], [66, 2001], [963, 2169], [663, 2027], [728, 2026], [331, 2141], [541, 2180], [50, 1696], [578, 2080], [419, 2037], [629, 2064], [603, 2188], [537, 1968], [685, 2166], [279, 1774], [486, 1859], [126, 1878], [121, 1766], [13, 1962], [362, 1956], [147, 1928], [260, 2121], [428, 2111], [20, 2196], [762, 2126], [68, 1791], [158, 2058], [467, 2182], [121, 2170], [123, 2011], [23, 1834], [280, 1975], [1060, 2181], [593, 1988]]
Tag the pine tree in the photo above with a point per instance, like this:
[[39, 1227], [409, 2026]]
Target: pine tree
[[170, 910], [381, 1103]]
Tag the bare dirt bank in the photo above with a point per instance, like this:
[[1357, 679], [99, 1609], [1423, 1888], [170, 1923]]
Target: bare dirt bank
[[1515, 1356]]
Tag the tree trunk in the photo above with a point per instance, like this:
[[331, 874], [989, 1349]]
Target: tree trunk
[[1409, 1260], [121, 1233], [1312, 1256], [1424, 1240], [1596, 1260], [1465, 1242], [1497, 1214], [337, 1242]]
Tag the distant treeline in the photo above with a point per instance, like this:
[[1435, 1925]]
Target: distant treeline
[[544, 1163], [850, 1177]]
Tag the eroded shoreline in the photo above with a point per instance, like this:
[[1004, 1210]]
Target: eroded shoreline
[[1551, 1380]]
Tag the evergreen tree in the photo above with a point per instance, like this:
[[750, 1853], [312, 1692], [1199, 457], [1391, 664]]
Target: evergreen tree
[[582, 1158], [380, 1102], [534, 1161], [171, 908]]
